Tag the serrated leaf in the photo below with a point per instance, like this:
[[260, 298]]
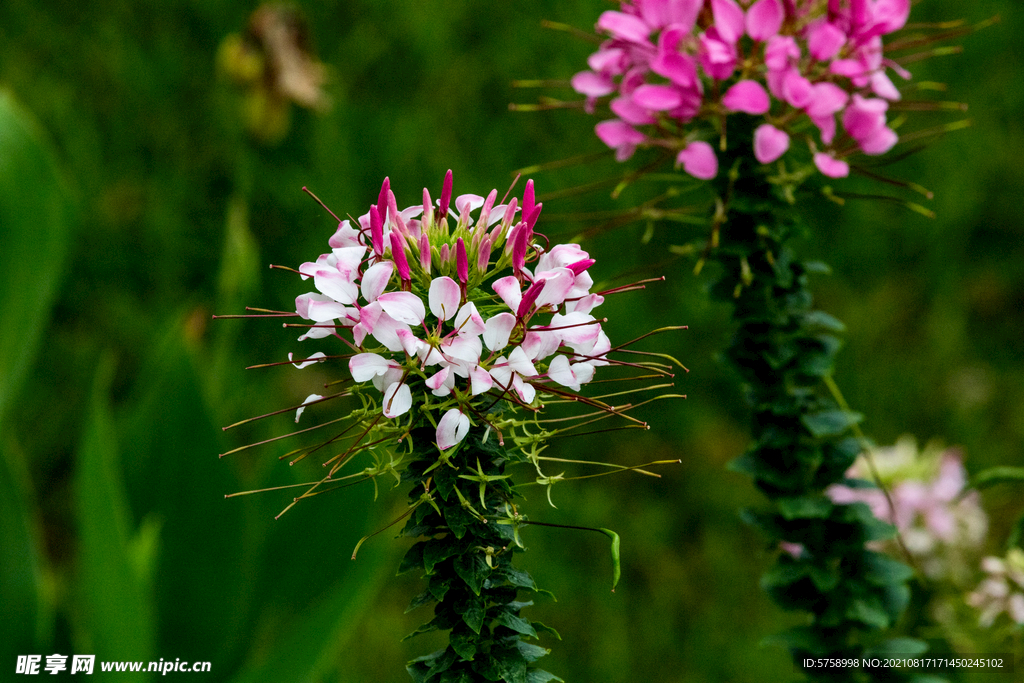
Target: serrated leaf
[[830, 422]]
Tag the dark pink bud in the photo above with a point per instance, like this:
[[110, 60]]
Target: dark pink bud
[[382, 198], [581, 265], [428, 208], [376, 231], [510, 213], [529, 297], [399, 257], [483, 258], [528, 198], [446, 193], [485, 212], [519, 248], [443, 253], [424, 253], [532, 216], [392, 208], [461, 262]]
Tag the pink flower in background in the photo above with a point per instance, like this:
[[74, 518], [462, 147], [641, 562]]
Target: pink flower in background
[[929, 509], [674, 68], [1002, 590]]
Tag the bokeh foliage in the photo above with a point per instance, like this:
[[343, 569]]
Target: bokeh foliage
[[132, 206]]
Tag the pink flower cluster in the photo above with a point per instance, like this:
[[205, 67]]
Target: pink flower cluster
[[929, 507], [452, 335], [1002, 590], [673, 64]]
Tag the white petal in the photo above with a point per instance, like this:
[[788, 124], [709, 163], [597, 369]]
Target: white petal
[[509, 291], [497, 330], [585, 304], [394, 374], [443, 297], [480, 380], [559, 371], [302, 408], [540, 345], [317, 357], [410, 343], [404, 307], [525, 390], [339, 287], [584, 372], [468, 321], [557, 284], [397, 400], [365, 366], [375, 279], [574, 329], [452, 429], [501, 372], [520, 363], [386, 332]]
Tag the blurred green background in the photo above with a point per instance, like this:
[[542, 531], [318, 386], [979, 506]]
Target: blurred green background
[[133, 205]]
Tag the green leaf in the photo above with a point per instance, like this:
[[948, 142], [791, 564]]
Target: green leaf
[[438, 550], [420, 600], [784, 573], [869, 611], [35, 230], [520, 578], [118, 603], [473, 614], [544, 628], [531, 652], [805, 507], [464, 644], [413, 557], [882, 570], [823, 320], [28, 616], [830, 422], [898, 647], [616, 562], [516, 623], [473, 569], [997, 475], [541, 676]]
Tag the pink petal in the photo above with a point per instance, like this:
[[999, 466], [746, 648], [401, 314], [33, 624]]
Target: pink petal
[[443, 297], [657, 97], [509, 291], [764, 19], [880, 142], [882, 86], [770, 143], [824, 39], [748, 97], [623, 26], [830, 166], [728, 19], [699, 160], [630, 112], [592, 85], [440, 379], [616, 133], [452, 429], [404, 307], [796, 89], [780, 52], [826, 99]]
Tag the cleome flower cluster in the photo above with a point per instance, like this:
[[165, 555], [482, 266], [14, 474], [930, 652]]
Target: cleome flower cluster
[[421, 298], [675, 70]]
